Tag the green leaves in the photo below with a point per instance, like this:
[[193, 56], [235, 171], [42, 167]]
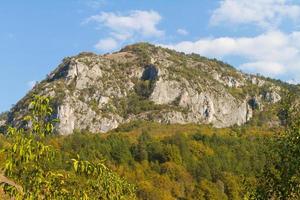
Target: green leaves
[[104, 183], [281, 176], [28, 159]]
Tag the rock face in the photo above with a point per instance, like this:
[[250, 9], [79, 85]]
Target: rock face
[[99, 92], [3, 118], [2, 123], [272, 97]]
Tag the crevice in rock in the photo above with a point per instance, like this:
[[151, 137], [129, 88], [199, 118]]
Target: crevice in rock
[[145, 86], [254, 104], [150, 73]]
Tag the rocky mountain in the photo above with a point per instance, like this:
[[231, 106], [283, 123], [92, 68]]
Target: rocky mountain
[[99, 92], [3, 118]]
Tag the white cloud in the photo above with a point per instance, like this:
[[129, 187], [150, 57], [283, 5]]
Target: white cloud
[[182, 31], [106, 44], [265, 13], [273, 53], [264, 67], [136, 24]]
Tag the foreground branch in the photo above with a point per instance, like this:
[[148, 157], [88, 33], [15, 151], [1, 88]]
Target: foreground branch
[[4, 179]]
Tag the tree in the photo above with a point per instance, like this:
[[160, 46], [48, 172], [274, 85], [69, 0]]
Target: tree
[[139, 150], [281, 177], [28, 159]]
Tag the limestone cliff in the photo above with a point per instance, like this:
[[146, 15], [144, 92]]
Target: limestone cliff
[[142, 81]]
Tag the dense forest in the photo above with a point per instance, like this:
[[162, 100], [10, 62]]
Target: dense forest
[[185, 162], [147, 160]]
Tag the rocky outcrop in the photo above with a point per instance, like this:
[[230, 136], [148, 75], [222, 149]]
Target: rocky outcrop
[[99, 92], [256, 81], [229, 81], [3, 119], [2, 122], [67, 118], [272, 97], [75, 115], [165, 92]]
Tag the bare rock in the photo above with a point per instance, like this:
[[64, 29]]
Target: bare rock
[[2, 122], [272, 97], [99, 92], [165, 92]]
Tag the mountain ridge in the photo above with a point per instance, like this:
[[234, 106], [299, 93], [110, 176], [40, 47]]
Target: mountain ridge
[[142, 81]]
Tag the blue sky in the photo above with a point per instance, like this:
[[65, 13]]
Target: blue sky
[[257, 36]]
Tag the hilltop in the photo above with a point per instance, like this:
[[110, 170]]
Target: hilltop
[[145, 82]]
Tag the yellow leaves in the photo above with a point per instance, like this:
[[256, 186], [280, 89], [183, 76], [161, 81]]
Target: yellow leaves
[[87, 168], [30, 161], [75, 164], [8, 166], [11, 131], [27, 118], [14, 148], [200, 149], [49, 127], [39, 119], [211, 190]]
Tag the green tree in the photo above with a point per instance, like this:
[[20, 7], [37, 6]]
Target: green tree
[[281, 177], [139, 150], [208, 191], [120, 149], [28, 159]]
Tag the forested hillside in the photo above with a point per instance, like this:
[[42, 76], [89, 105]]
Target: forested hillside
[[150, 123], [149, 160], [177, 161]]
